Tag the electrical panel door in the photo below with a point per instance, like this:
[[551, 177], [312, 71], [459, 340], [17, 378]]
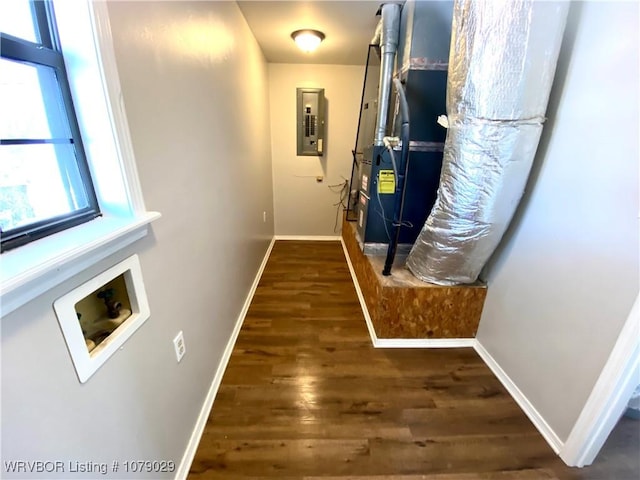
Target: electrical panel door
[[310, 117]]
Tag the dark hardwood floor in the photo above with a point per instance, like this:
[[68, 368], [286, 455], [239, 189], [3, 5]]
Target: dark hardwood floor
[[306, 396]]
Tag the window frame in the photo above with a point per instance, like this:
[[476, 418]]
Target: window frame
[[27, 272], [48, 53]]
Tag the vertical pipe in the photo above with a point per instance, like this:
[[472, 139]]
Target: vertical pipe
[[388, 47], [401, 179]]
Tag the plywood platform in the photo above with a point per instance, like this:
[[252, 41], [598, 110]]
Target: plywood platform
[[401, 306]]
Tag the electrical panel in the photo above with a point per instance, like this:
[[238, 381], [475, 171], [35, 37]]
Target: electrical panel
[[310, 120]]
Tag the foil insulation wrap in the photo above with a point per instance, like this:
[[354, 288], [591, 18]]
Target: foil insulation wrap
[[501, 68]]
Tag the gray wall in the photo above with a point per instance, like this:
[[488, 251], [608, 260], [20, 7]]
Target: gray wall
[[304, 206], [198, 113], [566, 276]]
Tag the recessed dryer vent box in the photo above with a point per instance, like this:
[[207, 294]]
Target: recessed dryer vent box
[[310, 119], [98, 316]]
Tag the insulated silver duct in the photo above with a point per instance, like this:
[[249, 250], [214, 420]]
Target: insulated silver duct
[[501, 66], [388, 46]]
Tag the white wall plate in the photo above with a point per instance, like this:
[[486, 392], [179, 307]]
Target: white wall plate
[[85, 362]]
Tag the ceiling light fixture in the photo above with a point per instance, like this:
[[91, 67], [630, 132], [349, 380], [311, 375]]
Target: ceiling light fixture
[[307, 40]]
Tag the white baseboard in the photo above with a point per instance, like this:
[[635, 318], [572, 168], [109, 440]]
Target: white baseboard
[[424, 342], [363, 305], [527, 407], [310, 238], [196, 434], [399, 342]]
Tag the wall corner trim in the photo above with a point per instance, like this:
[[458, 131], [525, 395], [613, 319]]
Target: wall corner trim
[[609, 397], [527, 407], [198, 429]]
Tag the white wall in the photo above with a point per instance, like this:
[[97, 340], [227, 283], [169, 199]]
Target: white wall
[[566, 277], [198, 112], [303, 206]]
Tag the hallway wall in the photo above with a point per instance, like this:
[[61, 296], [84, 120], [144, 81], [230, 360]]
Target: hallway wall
[[302, 205], [195, 88], [566, 276]]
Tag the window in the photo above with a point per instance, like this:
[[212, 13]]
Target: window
[[84, 36], [45, 183]]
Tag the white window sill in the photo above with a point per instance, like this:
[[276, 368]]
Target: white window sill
[[31, 270]]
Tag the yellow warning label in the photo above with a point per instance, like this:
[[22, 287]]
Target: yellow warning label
[[386, 182]]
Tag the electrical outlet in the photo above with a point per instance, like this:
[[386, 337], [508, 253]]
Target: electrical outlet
[[264, 217], [178, 344]]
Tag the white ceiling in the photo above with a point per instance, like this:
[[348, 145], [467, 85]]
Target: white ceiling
[[348, 25]]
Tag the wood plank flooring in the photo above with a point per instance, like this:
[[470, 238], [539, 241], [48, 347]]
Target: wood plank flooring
[[306, 396]]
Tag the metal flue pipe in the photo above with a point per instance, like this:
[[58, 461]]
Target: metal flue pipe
[[388, 47]]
